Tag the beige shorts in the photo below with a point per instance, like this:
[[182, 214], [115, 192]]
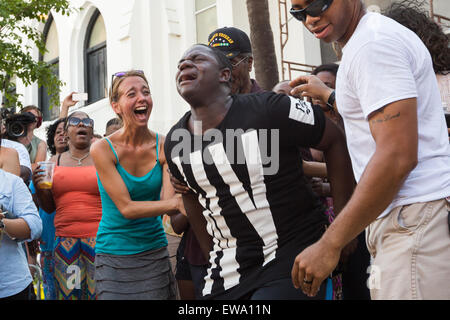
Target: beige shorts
[[410, 249]]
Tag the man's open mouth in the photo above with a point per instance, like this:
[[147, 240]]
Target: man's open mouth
[[187, 77]]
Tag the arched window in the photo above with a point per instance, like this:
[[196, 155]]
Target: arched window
[[51, 57], [95, 59], [205, 18]]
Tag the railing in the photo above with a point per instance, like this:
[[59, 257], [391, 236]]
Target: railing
[[443, 21], [291, 66], [287, 67]]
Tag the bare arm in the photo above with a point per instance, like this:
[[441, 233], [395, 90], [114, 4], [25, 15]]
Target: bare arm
[[44, 196], [394, 130], [178, 220], [41, 154], [66, 104], [198, 222], [315, 169], [17, 228], [179, 223], [115, 187], [338, 164], [9, 159]]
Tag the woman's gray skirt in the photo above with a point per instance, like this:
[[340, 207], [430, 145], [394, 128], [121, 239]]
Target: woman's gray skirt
[[143, 276]]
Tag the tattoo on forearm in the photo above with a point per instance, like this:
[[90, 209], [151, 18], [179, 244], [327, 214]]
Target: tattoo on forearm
[[386, 118]]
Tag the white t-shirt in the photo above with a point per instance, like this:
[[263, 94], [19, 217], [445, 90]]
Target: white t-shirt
[[24, 157], [384, 62]]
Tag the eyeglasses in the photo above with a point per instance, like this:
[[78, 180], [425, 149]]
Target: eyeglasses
[[74, 121], [234, 65], [315, 9], [122, 73]]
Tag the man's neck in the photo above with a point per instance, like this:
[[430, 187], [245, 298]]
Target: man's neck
[[248, 87], [208, 115], [358, 13]]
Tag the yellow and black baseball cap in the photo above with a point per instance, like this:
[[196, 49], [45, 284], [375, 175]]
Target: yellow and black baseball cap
[[231, 41]]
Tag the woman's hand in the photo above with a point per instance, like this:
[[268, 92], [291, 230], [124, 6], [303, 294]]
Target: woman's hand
[[180, 205], [38, 176], [66, 104], [180, 187]]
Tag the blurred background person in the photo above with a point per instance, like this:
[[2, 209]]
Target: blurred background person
[[15, 277], [37, 148], [76, 199], [132, 259], [236, 46], [410, 14], [57, 144], [112, 126], [24, 157]]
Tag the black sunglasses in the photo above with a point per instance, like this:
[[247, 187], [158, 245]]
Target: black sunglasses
[[122, 73], [74, 121], [315, 9]]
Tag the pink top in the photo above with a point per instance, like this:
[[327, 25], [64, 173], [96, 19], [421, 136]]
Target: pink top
[[77, 201]]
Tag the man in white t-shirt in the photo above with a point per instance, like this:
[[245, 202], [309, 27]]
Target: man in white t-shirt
[[387, 94]]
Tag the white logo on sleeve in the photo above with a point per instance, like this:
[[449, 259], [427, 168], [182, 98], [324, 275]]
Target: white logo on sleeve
[[301, 111]]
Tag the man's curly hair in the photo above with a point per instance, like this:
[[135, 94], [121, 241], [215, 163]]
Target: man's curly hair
[[411, 14]]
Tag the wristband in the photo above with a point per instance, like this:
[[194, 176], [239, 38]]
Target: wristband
[[331, 100]]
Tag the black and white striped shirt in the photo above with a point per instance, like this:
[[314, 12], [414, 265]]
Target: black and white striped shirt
[[259, 208]]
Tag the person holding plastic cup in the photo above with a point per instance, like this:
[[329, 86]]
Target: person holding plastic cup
[[75, 196], [48, 168], [57, 144]]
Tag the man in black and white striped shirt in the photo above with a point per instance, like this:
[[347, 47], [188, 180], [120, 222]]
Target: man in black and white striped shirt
[[250, 206]]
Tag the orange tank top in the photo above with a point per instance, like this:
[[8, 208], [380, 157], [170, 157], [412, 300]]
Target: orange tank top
[[77, 201]]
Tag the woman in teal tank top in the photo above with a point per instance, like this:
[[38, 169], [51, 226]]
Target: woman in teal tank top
[[132, 260]]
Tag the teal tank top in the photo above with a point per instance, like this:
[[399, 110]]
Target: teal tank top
[[120, 236]]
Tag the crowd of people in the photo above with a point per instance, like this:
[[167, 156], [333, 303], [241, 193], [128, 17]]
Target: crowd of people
[[335, 185]]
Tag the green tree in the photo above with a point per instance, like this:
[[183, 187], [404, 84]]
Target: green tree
[[18, 37]]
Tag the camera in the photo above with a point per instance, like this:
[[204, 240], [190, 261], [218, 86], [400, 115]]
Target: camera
[[16, 124]]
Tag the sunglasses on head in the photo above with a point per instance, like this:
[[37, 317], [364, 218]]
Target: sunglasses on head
[[122, 73], [74, 121], [315, 9]]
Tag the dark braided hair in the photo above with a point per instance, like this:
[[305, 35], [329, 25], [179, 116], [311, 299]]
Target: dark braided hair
[[410, 13]]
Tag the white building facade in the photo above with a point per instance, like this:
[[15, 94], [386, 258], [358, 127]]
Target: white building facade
[[107, 36]]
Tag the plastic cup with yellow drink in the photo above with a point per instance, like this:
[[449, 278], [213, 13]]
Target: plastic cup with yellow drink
[[48, 168]]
